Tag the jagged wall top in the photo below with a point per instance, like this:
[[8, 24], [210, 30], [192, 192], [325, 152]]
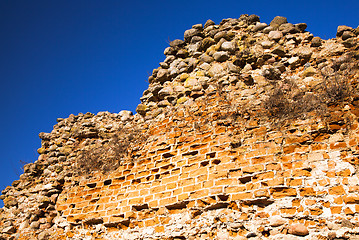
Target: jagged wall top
[[236, 50]]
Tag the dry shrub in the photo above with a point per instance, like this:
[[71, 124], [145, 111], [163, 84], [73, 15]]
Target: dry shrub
[[286, 101], [109, 155], [277, 105], [281, 105], [336, 89]]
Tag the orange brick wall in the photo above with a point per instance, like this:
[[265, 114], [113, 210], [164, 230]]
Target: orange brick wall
[[304, 169]]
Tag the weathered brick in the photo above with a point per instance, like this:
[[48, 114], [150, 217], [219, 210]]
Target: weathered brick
[[344, 173], [273, 166], [77, 217], [323, 182], [192, 188], [242, 196], [101, 207], [226, 166], [261, 193], [318, 146], [198, 172], [287, 165], [111, 205], [240, 160], [167, 201], [348, 211], [82, 204], [316, 211], [278, 181], [165, 220], [196, 159], [280, 192], [163, 195], [115, 219], [116, 211], [150, 222], [315, 156], [159, 229], [331, 174], [265, 175], [351, 199], [261, 160], [253, 169], [133, 194], [262, 145], [285, 158], [153, 204], [169, 179], [104, 200], [199, 193], [66, 212], [216, 190], [337, 190], [338, 145], [288, 211], [291, 182], [186, 182], [75, 211], [136, 201], [61, 207], [208, 184], [158, 189], [353, 189], [255, 153], [226, 181], [301, 173], [290, 149], [219, 130], [183, 196], [336, 210], [253, 186], [169, 171], [198, 146], [310, 202], [235, 189], [304, 192], [201, 178], [297, 139], [190, 168], [273, 150], [97, 214], [216, 175], [145, 191], [170, 186]]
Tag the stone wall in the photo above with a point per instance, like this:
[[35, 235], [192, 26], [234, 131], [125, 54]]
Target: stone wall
[[247, 130]]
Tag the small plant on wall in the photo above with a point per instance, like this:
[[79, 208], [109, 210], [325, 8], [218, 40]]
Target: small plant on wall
[[108, 155]]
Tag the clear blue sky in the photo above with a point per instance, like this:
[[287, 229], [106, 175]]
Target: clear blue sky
[[62, 57]]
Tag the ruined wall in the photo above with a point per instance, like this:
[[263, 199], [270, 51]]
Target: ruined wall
[[273, 177], [247, 130]]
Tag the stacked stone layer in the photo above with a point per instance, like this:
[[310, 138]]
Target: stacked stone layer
[[216, 162]]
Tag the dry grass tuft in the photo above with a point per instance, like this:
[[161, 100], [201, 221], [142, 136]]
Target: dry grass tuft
[[111, 153]]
